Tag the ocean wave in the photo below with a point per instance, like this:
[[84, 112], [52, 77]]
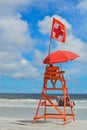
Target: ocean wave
[[18, 102], [79, 104]]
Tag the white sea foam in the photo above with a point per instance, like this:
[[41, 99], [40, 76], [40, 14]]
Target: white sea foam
[[79, 104], [18, 102]]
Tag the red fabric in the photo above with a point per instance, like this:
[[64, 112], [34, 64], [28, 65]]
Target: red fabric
[[58, 31], [60, 56]]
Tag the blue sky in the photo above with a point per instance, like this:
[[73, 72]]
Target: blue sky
[[24, 38]]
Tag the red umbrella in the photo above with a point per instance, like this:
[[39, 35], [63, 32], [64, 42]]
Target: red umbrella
[[59, 56]]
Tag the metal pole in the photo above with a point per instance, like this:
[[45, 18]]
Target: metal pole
[[49, 49]]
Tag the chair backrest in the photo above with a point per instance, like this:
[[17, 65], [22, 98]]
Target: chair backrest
[[52, 72]]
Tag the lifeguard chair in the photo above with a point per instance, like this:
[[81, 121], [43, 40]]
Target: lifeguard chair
[[53, 74]]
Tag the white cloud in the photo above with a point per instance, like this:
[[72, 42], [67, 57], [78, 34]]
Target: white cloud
[[82, 6], [11, 7], [15, 39], [75, 45], [51, 5], [13, 65], [14, 34], [25, 70], [38, 57], [45, 25]]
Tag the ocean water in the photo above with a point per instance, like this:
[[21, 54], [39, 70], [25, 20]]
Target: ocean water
[[24, 105], [31, 100], [37, 96]]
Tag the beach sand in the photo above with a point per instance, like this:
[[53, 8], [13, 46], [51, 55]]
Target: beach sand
[[20, 118], [23, 124]]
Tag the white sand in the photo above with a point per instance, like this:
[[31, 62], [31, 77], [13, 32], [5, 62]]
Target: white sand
[[20, 118], [20, 124]]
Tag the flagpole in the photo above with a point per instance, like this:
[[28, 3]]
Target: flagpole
[[49, 50], [49, 47]]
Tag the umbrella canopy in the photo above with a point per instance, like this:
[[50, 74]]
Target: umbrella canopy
[[59, 56]]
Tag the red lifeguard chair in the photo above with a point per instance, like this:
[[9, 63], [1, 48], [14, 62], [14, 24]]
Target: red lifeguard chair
[[53, 74]]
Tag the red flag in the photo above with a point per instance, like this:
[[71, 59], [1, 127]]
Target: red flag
[[58, 30]]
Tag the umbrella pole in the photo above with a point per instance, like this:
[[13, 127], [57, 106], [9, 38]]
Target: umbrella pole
[[61, 66]]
